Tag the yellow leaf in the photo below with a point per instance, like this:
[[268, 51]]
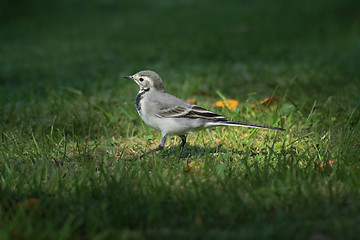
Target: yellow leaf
[[191, 100], [191, 164], [228, 103]]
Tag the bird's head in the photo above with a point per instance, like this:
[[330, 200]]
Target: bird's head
[[147, 80]]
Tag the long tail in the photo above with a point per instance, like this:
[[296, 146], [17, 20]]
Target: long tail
[[213, 119], [241, 124]]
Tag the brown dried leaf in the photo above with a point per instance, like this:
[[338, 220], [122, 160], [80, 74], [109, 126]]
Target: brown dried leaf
[[269, 101]]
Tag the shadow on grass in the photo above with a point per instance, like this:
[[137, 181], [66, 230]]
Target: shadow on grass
[[192, 152]]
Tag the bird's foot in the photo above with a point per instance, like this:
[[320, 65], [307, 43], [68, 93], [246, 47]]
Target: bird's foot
[[134, 159]]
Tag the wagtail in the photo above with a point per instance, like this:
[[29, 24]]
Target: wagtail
[[171, 115]]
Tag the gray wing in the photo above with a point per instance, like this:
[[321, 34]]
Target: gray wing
[[173, 107]]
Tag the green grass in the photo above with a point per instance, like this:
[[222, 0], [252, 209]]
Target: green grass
[[67, 120]]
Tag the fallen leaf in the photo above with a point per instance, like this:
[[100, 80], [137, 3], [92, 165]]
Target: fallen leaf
[[269, 101], [201, 93], [228, 103], [321, 165], [191, 164], [191, 100]]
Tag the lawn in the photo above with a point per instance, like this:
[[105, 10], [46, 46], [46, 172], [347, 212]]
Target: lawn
[[68, 120]]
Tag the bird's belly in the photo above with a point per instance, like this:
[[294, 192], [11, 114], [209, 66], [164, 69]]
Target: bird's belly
[[181, 126], [174, 126], [152, 122]]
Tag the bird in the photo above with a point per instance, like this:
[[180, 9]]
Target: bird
[[173, 116]]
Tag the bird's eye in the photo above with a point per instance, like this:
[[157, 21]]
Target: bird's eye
[[141, 79]]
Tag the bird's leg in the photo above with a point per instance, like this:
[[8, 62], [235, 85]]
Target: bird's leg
[[183, 141], [154, 150], [161, 146]]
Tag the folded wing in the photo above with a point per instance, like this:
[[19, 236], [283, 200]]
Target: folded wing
[[190, 112]]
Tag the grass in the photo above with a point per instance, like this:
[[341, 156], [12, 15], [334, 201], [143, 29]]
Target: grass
[[67, 120]]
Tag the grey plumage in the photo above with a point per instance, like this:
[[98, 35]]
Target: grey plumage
[[173, 116]]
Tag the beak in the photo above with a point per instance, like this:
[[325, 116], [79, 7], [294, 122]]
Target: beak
[[129, 77]]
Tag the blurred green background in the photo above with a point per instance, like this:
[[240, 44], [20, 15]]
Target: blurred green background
[[247, 46], [67, 117]]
